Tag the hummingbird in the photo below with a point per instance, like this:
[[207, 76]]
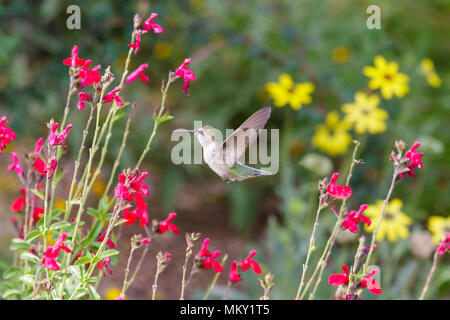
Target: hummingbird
[[222, 156]]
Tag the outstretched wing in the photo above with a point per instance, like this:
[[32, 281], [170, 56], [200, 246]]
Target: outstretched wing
[[236, 144], [239, 172]]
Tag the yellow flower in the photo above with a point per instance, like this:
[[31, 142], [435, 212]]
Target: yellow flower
[[112, 293], [98, 187], [386, 77], [332, 137], [286, 92], [439, 227], [394, 224], [365, 115], [340, 54], [60, 203], [427, 69]]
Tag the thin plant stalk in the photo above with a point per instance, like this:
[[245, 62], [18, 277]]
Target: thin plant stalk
[[216, 277], [430, 274]]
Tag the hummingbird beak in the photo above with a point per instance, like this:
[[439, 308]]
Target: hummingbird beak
[[184, 130]]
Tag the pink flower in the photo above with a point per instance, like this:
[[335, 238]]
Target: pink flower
[[445, 245], [415, 160], [6, 134], [83, 96], [145, 241], [89, 76], [121, 190], [136, 45], [207, 259], [338, 191], [112, 95], [74, 61], [57, 139], [353, 217], [38, 147], [111, 244], [187, 74], [52, 253], [166, 225], [104, 264], [42, 168], [15, 165], [150, 25], [339, 278], [370, 283], [244, 265], [37, 213], [19, 203], [138, 73]]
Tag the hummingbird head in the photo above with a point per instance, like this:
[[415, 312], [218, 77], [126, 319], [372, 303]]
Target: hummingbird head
[[206, 135]]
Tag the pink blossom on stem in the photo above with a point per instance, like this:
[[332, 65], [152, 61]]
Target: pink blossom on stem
[[6, 134], [338, 191], [166, 225], [339, 278], [445, 245], [38, 147], [83, 96], [74, 61], [353, 217], [52, 252], [57, 139], [136, 45], [149, 25], [112, 95], [15, 165], [138, 73], [186, 74]]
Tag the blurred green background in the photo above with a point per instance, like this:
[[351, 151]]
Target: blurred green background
[[237, 48]]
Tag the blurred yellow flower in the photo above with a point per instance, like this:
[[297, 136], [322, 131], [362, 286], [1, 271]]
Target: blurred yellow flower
[[340, 54], [196, 4], [60, 203], [162, 50], [286, 92], [365, 115], [386, 77], [49, 239], [439, 227], [112, 293], [332, 137], [394, 224], [427, 69], [98, 187]]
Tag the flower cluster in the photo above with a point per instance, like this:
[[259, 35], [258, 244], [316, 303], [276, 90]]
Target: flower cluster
[[353, 217], [366, 282], [6, 134], [52, 252], [286, 92], [205, 259], [80, 70]]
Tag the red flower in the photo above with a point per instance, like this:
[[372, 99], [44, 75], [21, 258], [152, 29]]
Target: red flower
[[136, 45], [104, 264], [19, 203], [15, 165], [445, 245], [89, 76], [121, 190], [83, 96], [415, 160], [370, 283], [111, 244], [207, 259], [244, 265], [138, 73], [145, 241], [6, 134], [74, 61], [112, 95], [52, 253], [57, 139], [187, 74], [42, 168], [150, 25], [38, 147], [166, 225], [37, 213], [339, 278], [338, 191], [352, 219]]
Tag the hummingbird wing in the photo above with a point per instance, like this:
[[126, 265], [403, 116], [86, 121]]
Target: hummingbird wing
[[241, 172], [236, 144]]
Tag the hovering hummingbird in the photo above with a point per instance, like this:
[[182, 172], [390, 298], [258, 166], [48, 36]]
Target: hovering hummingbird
[[222, 156]]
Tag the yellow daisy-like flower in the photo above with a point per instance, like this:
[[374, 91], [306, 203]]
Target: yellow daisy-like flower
[[394, 224], [112, 293], [365, 115], [427, 69], [332, 137], [340, 54], [439, 227], [286, 92], [386, 77]]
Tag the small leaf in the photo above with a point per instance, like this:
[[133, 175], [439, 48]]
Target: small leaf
[[29, 257], [93, 293], [59, 176], [82, 260], [107, 253], [32, 235], [92, 212], [38, 193], [10, 272], [19, 244], [59, 225]]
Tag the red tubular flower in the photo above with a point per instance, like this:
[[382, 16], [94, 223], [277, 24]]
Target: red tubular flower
[[57, 139], [149, 25], [19, 203], [338, 191], [38, 147], [104, 264], [166, 225], [234, 275], [145, 241], [136, 45], [138, 73], [415, 160], [15, 165], [353, 217], [370, 283], [339, 278], [89, 76], [40, 166], [445, 245], [121, 190], [207, 259], [111, 244], [52, 253], [187, 74], [112, 95], [248, 262], [37, 214], [74, 61], [83, 96], [6, 134]]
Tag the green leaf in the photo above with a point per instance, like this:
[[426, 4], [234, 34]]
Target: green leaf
[[93, 233], [107, 253], [38, 193], [92, 212], [19, 244], [10, 272], [59, 176], [56, 213], [10, 292], [82, 260], [32, 235], [166, 117], [28, 279], [93, 293], [29, 257], [59, 225]]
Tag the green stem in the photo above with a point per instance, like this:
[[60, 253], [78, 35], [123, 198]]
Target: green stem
[[430, 275], [216, 277]]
